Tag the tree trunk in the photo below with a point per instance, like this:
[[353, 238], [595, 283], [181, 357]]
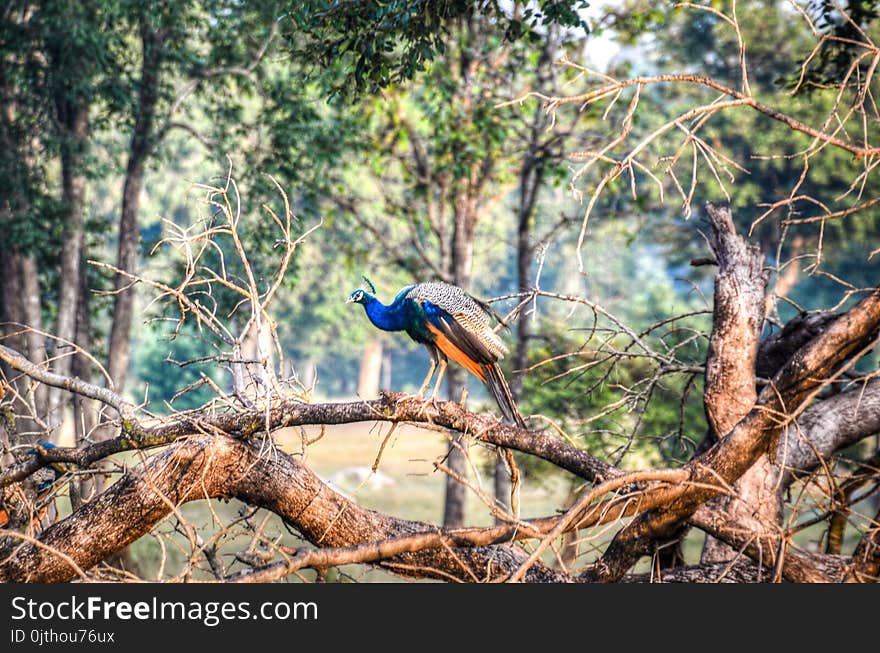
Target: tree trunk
[[371, 369], [21, 308], [465, 216], [456, 493], [73, 116], [757, 506], [20, 284], [84, 417], [89, 427], [31, 302], [738, 316], [386, 371], [13, 308], [127, 255], [530, 180], [14, 314], [503, 485]]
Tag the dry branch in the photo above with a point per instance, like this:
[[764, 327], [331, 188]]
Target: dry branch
[[219, 467], [390, 407], [737, 320]]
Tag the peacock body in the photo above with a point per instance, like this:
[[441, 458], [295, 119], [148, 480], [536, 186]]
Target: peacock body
[[450, 324]]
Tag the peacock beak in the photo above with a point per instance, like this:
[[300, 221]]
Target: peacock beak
[[349, 300]]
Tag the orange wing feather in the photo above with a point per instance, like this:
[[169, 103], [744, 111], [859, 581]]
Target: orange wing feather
[[445, 345]]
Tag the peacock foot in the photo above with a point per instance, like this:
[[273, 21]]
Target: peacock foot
[[424, 403]]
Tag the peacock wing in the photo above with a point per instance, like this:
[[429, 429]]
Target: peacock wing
[[466, 318], [456, 341]]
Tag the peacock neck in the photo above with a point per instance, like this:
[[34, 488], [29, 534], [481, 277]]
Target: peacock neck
[[388, 318]]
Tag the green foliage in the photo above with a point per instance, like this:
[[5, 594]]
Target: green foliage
[[415, 78], [52, 58], [843, 24], [384, 43]]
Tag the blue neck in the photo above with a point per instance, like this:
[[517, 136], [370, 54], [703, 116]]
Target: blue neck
[[388, 318]]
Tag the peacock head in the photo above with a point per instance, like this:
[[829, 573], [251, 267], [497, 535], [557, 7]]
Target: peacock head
[[360, 296]]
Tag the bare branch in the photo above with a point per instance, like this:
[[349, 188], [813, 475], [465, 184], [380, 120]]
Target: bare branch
[[71, 384], [205, 467]]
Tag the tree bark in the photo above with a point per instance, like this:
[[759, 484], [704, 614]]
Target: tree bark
[[85, 417], [730, 393], [31, 301], [826, 427], [741, 571], [16, 307], [455, 496], [203, 467], [127, 256], [74, 119], [13, 307], [11, 164], [737, 319], [22, 300]]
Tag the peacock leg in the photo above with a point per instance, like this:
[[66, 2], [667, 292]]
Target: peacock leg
[[440, 373], [434, 358]]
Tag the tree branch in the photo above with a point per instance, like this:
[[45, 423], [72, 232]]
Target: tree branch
[[777, 349], [390, 407], [737, 99], [779, 404], [71, 384], [219, 467], [741, 570], [737, 319], [828, 426]]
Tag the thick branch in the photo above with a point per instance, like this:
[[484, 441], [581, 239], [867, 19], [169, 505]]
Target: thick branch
[[205, 467], [736, 324], [777, 349], [828, 426], [711, 473], [391, 407], [741, 570], [769, 545]]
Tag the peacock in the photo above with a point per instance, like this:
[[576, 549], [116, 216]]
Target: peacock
[[451, 324]]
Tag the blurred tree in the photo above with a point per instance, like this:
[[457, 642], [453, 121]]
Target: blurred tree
[[190, 51], [774, 179], [379, 44], [57, 67]]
